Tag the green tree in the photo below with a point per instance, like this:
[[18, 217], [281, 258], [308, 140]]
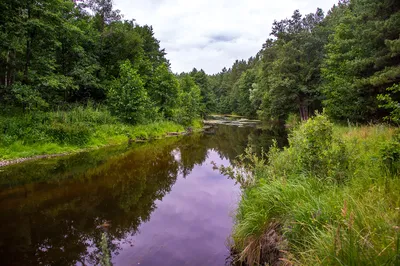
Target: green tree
[[190, 100], [290, 68], [241, 94], [391, 101], [362, 59], [164, 90], [127, 97], [207, 94]]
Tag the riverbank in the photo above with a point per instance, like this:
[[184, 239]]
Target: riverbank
[[58, 133], [330, 198]]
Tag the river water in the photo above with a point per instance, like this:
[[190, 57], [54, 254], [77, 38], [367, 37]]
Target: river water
[[157, 203]]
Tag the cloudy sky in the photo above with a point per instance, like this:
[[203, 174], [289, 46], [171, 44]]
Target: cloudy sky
[[211, 34]]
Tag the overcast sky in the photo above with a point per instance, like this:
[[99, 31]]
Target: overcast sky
[[212, 34]]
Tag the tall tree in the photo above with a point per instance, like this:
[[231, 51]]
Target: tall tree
[[291, 65], [127, 97], [164, 91], [207, 93], [363, 59]]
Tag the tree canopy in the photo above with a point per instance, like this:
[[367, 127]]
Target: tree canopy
[[57, 52], [339, 62], [54, 53]]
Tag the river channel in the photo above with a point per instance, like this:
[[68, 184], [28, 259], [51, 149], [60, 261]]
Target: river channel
[[156, 203]]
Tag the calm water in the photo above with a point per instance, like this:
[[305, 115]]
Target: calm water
[[159, 203]]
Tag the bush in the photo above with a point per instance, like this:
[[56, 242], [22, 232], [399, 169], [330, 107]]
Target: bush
[[292, 121], [85, 114], [390, 102], [315, 222], [317, 151], [28, 128]]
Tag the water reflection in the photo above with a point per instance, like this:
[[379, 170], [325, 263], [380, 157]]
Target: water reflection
[[161, 202]]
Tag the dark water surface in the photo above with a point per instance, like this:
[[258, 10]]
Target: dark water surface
[[159, 203]]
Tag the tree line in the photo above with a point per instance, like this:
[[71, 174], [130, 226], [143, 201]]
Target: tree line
[[57, 52], [346, 62]]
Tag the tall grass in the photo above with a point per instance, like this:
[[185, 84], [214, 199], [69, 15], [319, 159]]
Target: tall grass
[[80, 127], [334, 194]]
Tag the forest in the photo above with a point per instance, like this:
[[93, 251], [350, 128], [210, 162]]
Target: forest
[[55, 53], [330, 197], [59, 56], [74, 74], [345, 62]]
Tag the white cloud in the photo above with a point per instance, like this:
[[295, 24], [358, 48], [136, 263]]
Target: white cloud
[[212, 34]]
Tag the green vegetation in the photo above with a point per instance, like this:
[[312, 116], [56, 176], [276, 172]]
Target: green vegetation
[[74, 75], [339, 62], [55, 54], [66, 131], [329, 198]]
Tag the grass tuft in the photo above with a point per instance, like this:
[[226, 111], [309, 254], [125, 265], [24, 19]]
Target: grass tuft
[[334, 193]]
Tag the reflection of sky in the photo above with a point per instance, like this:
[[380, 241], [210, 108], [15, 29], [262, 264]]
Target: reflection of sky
[[190, 225]]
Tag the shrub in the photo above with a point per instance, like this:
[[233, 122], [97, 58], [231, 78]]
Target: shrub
[[317, 151], [292, 121], [128, 98], [315, 222], [390, 102]]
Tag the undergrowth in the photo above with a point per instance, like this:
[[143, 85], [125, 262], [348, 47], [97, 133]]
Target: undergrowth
[[332, 195], [30, 134]]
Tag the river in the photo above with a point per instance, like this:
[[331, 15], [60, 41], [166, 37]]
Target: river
[[156, 203]]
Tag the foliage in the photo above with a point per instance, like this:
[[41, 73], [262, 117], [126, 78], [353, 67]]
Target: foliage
[[388, 102], [164, 91], [207, 94], [361, 59], [67, 131], [339, 62], [189, 101], [317, 151], [58, 52], [322, 222], [390, 155], [127, 97], [28, 97]]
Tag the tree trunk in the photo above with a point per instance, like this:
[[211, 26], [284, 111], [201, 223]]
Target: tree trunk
[[303, 108]]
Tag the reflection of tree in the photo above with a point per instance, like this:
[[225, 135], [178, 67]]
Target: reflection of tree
[[55, 224], [51, 217], [229, 142], [193, 151], [56, 169]]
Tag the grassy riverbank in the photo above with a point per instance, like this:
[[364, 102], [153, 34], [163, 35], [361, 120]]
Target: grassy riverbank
[[27, 135], [330, 198]]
